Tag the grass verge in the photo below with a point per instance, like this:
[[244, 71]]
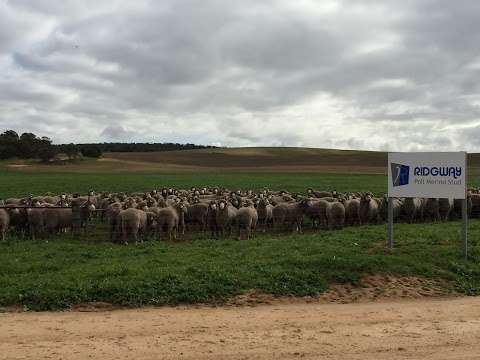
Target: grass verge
[[62, 272]]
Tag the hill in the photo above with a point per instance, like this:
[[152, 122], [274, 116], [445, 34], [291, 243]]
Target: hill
[[248, 159], [256, 159]]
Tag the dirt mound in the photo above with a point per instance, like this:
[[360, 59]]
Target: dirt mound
[[380, 287], [370, 288], [94, 307]]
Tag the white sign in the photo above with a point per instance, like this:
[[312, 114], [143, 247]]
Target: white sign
[[425, 174]]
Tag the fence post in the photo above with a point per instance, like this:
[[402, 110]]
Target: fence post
[[390, 223], [76, 219], [464, 228]]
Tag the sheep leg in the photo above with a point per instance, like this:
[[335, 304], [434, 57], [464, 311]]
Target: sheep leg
[[135, 235], [299, 225]]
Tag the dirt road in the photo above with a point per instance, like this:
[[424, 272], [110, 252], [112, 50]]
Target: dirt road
[[420, 329]]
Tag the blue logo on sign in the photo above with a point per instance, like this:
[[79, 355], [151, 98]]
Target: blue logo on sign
[[400, 174]]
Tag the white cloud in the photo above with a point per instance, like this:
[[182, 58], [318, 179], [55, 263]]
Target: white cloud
[[371, 75]]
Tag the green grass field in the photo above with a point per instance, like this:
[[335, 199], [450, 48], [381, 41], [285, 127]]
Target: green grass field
[[43, 275], [19, 183]]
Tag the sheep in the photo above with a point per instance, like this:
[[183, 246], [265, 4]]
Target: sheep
[[329, 199], [111, 213], [458, 204], [129, 203], [57, 220], [169, 219], [18, 219], [368, 210], [236, 202], [281, 199], [265, 212], [321, 194], [13, 201], [335, 212], [4, 223], [431, 209], [412, 209], [445, 207], [226, 217], [35, 221], [247, 218], [197, 214], [352, 207], [316, 211], [212, 218], [134, 222], [396, 207], [290, 214]]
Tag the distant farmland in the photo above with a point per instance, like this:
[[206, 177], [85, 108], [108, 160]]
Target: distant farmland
[[258, 159], [255, 159], [266, 159]]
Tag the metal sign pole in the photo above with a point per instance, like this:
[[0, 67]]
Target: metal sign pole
[[390, 223], [465, 216], [464, 228]]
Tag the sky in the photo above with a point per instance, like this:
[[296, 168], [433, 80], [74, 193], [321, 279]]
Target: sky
[[372, 74]]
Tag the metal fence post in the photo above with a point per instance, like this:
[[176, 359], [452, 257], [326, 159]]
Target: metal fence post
[[464, 228], [390, 223], [76, 219], [465, 214]]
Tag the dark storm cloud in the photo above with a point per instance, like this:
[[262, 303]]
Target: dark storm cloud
[[371, 74]]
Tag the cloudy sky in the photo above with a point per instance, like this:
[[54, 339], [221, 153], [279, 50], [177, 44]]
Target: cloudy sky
[[372, 74]]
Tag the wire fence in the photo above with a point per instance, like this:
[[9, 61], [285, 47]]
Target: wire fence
[[95, 225]]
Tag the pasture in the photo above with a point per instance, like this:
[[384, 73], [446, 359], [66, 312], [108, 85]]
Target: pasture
[[61, 272], [21, 183]]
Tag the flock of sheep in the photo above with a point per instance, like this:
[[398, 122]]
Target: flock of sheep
[[220, 212]]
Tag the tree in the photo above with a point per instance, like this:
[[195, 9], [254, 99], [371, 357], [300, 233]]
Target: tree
[[45, 150], [93, 151], [71, 150], [8, 144], [10, 136], [28, 145]]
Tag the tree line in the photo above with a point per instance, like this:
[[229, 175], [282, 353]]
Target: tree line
[[143, 147], [30, 146]]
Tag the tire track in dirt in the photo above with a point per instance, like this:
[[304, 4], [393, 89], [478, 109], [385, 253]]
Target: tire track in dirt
[[413, 329]]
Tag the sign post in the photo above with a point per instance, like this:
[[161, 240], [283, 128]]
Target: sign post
[[464, 228], [390, 223], [465, 218], [428, 175]]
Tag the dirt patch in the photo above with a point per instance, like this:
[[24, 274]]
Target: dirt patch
[[94, 307], [371, 288], [382, 287]]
